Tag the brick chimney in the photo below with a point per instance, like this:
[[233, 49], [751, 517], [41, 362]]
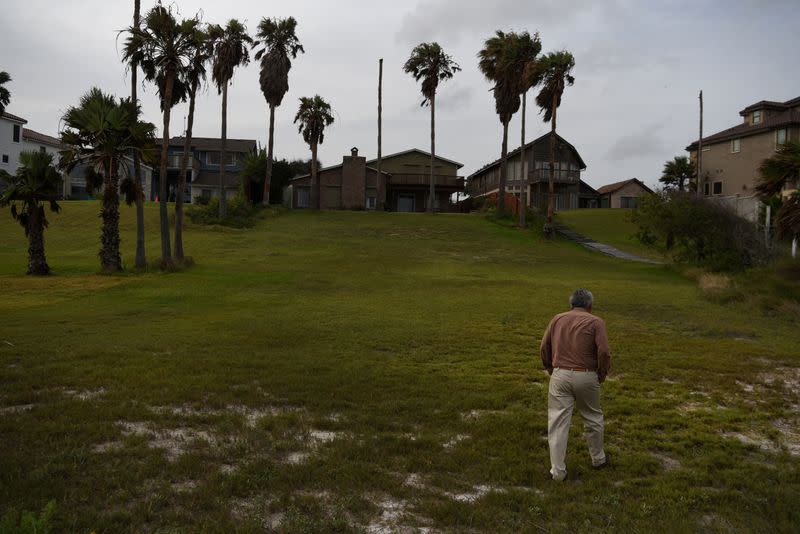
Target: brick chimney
[[354, 180]]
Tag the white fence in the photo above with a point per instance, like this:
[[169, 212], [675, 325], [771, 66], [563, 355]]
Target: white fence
[[745, 207]]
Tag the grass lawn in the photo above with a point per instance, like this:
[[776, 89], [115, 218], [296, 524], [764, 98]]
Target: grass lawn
[[346, 371], [610, 226]]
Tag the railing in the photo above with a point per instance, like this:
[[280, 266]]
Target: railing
[[174, 161], [425, 179], [559, 176]]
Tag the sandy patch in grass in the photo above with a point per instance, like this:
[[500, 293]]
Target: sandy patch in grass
[[173, 441], [667, 462], [478, 492], [85, 395], [474, 415], [19, 408], [455, 440], [763, 443], [252, 415], [186, 486], [791, 435], [313, 440]]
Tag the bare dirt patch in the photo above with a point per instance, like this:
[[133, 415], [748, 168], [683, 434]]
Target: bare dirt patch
[[85, 395], [474, 415], [477, 493], [667, 462], [756, 440], [455, 440], [173, 441], [791, 435], [19, 408]]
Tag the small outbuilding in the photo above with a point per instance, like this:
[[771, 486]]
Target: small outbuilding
[[624, 194]]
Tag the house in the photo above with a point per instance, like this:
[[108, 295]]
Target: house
[[624, 194], [33, 140], [10, 143], [570, 192], [731, 157], [403, 183], [202, 173]]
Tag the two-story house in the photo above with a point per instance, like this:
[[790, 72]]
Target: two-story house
[[569, 192], [10, 143], [203, 169], [731, 158]]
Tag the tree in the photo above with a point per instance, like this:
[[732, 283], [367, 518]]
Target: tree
[[37, 181], [677, 172], [141, 258], [280, 46], [554, 72], [502, 61], [313, 115], [99, 134], [774, 173], [431, 65], [194, 76], [163, 48], [230, 51], [5, 94]]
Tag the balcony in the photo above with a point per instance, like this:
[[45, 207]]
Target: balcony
[[174, 162], [441, 180], [559, 176]]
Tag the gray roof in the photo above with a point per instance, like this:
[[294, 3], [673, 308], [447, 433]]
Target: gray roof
[[404, 152], [13, 118], [214, 143]]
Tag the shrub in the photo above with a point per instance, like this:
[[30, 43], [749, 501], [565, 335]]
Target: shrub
[[28, 522], [240, 213], [699, 231]]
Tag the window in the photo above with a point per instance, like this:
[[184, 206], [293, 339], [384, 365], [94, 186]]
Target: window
[[212, 158], [5, 158], [43, 150], [16, 133], [205, 194], [717, 188], [706, 189], [757, 117], [780, 137], [628, 202], [370, 203], [736, 145]]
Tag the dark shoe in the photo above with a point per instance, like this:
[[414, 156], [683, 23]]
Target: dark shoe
[[606, 463]]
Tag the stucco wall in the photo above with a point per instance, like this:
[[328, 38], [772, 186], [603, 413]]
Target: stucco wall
[[630, 190], [8, 147]]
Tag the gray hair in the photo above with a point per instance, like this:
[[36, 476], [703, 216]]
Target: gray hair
[[581, 298]]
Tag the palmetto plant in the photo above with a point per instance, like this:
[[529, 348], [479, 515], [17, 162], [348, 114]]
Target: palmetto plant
[[36, 182], [313, 115], [503, 61], [429, 64], [783, 169], [163, 48], [554, 72], [5, 94], [230, 51], [99, 134], [279, 46]]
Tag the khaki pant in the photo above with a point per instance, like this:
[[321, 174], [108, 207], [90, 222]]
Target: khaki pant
[[568, 388]]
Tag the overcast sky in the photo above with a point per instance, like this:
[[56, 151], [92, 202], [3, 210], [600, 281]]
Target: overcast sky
[[639, 67]]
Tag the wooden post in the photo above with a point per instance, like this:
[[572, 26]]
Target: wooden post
[[380, 110], [700, 151]]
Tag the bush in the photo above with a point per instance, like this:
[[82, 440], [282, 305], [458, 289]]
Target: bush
[[699, 231], [240, 213], [28, 522]]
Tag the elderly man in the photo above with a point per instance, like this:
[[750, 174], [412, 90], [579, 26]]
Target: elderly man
[[576, 355]]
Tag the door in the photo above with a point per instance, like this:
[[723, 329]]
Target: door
[[405, 203]]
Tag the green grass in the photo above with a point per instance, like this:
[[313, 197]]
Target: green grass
[[610, 226], [328, 371]]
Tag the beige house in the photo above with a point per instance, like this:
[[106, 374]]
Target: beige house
[[731, 158], [624, 194]]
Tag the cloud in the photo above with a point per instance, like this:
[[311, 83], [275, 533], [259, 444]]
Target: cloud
[[642, 142]]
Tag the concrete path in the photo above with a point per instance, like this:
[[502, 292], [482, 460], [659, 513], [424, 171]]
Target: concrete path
[[599, 247]]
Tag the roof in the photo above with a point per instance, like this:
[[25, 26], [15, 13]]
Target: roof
[[300, 176], [211, 179], [214, 143], [787, 118], [38, 137], [527, 146], [13, 118], [410, 150], [616, 186]]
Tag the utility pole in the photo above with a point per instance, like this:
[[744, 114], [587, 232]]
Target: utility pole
[[700, 150], [382, 197]]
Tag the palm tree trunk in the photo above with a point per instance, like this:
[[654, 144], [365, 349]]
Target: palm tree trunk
[[166, 254], [551, 184], [37, 264], [315, 188], [182, 178], [432, 193], [501, 186], [110, 260], [523, 207], [141, 258], [223, 153], [268, 177]]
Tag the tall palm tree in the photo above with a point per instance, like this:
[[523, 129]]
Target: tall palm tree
[[783, 169], [5, 94], [163, 48], [554, 71], [194, 76], [529, 49], [314, 114], [677, 172], [280, 46], [141, 258], [230, 51], [100, 133], [502, 61], [429, 63], [37, 181]]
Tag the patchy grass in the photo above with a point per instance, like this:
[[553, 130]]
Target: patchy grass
[[356, 372]]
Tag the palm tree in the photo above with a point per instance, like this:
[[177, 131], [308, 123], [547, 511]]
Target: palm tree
[[163, 48], [280, 46], [230, 51], [314, 114], [37, 181], [429, 63], [194, 76], [5, 94], [783, 169], [100, 133], [502, 62], [529, 49], [677, 172], [554, 72], [140, 258]]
